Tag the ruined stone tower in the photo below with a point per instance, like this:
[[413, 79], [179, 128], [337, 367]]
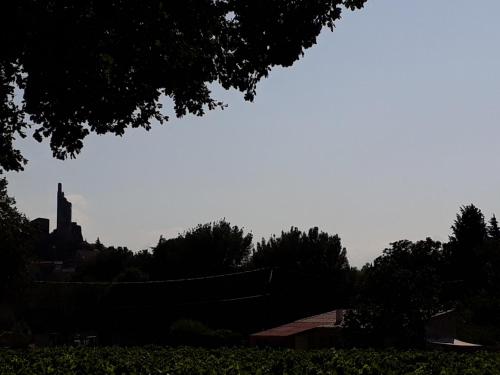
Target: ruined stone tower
[[63, 211], [68, 235], [66, 240]]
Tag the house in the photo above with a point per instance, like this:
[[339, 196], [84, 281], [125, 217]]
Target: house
[[318, 331]]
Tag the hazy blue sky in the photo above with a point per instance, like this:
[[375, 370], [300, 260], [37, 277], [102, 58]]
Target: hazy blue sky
[[381, 132]]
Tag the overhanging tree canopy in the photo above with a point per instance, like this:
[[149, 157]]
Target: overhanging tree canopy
[[102, 65]]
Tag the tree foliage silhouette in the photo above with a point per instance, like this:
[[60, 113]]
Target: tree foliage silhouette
[[411, 281], [15, 245], [314, 252], [106, 265], [312, 273], [207, 249], [102, 66], [464, 250], [469, 228], [493, 229], [399, 293]]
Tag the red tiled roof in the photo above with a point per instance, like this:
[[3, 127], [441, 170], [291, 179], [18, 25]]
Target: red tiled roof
[[328, 319]]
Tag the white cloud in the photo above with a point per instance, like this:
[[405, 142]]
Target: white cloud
[[80, 210], [78, 200]]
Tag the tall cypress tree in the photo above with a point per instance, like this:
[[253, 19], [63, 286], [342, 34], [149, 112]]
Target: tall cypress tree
[[493, 229], [463, 252], [469, 228]]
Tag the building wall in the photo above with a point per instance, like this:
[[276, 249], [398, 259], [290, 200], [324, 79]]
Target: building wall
[[441, 327], [319, 338]]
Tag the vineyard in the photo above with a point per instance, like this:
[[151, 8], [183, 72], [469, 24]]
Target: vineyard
[[191, 361]]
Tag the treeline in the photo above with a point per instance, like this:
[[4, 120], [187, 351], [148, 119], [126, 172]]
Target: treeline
[[305, 272], [411, 281], [391, 298], [219, 248], [285, 277]]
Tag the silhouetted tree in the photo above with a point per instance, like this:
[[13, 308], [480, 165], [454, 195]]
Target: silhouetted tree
[[493, 229], [106, 265], [143, 261], [464, 251], [98, 245], [469, 228], [399, 293], [15, 245], [311, 275], [205, 250], [314, 252], [95, 66], [490, 262]]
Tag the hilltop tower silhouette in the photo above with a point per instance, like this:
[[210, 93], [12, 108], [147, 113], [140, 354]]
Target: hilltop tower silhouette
[[68, 234], [63, 211]]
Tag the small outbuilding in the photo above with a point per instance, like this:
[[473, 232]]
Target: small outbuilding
[[440, 333]]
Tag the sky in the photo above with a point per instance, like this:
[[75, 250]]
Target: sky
[[379, 133]]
